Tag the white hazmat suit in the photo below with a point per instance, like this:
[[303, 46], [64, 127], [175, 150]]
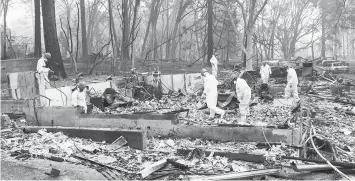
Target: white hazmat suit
[[265, 72], [43, 73], [42, 77], [244, 95], [81, 99], [214, 63], [210, 89], [292, 82]]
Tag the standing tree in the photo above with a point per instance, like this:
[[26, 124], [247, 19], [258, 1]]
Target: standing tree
[[331, 13], [125, 34], [250, 14], [5, 5], [133, 29], [297, 22], [172, 41], [50, 37], [38, 48], [209, 31], [83, 32]]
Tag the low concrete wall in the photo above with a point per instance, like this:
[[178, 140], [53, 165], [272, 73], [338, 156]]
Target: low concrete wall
[[19, 106], [164, 125], [17, 65], [136, 139], [156, 124]]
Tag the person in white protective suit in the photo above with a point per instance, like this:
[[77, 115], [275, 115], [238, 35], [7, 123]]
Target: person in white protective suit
[[214, 64], [244, 95], [43, 71], [292, 83], [81, 98], [211, 93], [265, 72]]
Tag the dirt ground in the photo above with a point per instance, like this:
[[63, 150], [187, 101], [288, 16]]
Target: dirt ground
[[35, 169]]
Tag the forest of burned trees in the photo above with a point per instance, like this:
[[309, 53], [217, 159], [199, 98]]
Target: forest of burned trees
[[149, 33]]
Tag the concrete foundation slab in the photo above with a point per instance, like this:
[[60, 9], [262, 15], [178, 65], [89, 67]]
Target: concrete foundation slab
[[135, 138]]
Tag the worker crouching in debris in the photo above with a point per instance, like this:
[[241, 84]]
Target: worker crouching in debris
[[112, 99], [211, 94], [244, 95], [81, 98], [292, 83]]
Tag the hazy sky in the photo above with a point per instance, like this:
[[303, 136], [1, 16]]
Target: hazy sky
[[19, 19]]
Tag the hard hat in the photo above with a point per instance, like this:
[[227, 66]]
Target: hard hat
[[203, 71]]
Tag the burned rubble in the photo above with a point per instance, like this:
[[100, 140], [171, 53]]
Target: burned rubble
[[327, 124]]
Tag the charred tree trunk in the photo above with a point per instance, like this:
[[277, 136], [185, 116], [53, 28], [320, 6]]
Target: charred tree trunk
[[167, 46], [148, 28], [5, 4], [323, 34], [209, 31], [173, 42], [50, 37], [84, 43], [125, 35], [133, 30], [111, 37], [38, 48]]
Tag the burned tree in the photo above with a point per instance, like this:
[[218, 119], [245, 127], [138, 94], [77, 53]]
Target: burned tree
[[51, 39]]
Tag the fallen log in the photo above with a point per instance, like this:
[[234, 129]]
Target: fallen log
[[242, 175], [335, 163], [256, 158]]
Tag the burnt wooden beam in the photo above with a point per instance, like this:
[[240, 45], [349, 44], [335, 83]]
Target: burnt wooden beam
[[256, 158], [242, 175]]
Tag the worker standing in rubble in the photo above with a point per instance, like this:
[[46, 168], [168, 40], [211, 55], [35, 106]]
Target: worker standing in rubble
[[292, 83], [81, 98], [265, 72], [214, 64], [244, 95], [211, 94], [43, 70]]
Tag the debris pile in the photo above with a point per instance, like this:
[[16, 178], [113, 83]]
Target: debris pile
[[188, 157]]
